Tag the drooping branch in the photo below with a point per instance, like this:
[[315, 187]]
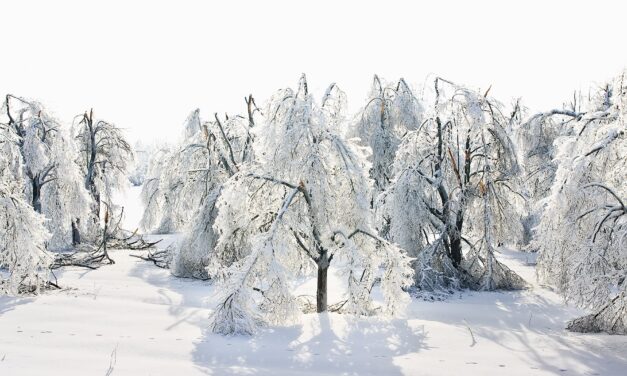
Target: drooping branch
[[605, 187]]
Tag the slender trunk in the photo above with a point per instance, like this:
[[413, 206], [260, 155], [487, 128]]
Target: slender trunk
[[321, 292], [76, 234], [91, 165], [442, 192], [105, 236], [323, 260], [250, 102], [96, 205], [456, 234], [36, 201]]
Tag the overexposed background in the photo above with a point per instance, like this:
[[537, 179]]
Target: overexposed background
[[145, 65]]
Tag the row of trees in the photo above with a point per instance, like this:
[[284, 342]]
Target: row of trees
[[390, 196], [281, 194], [408, 191], [410, 194], [51, 177]]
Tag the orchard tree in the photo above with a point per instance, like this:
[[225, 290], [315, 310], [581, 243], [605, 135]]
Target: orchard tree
[[104, 158], [453, 187], [582, 236], [218, 151], [173, 189], [151, 194], [171, 184], [390, 112], [52, 179], [209, 154], [302, 204], [24, 261], [212, 156], [535, 139]]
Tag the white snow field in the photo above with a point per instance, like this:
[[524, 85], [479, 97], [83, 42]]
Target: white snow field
[[133, 318]]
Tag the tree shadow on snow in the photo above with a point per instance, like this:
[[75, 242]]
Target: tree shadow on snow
[[323, 344], [526, 323], [186, 298], [8, 303]]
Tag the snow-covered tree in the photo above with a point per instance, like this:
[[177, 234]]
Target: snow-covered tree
[[186, 180], [535, 139], [582, 236], [24, 261], [52, 179], [300, 205], [171, 184], [104, 158], [212, 155], [173, 189], [390, 112], [453, 186], [151, 195], [143, 153]]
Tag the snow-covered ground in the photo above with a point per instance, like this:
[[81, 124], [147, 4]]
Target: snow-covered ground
[[132, 318]]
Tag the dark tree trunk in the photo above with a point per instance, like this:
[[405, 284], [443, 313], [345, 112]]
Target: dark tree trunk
[[89, 178], [456, 236], [91, 164], [323, 263], [105, 237], [96, 204], [456, 241], [36, 201], [321, 293], [76, 234]]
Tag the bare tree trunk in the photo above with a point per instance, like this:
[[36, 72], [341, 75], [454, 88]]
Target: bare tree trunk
[[105, 236], [91, 164], [321, 293], [455, 236], [36, 199], [456, 241], [76, 234], [96, 204]]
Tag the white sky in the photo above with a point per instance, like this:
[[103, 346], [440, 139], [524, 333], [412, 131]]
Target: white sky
[[146, 65]]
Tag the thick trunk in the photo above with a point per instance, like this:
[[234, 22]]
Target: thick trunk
[[456, 241], [321, 293], [456, 250]]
